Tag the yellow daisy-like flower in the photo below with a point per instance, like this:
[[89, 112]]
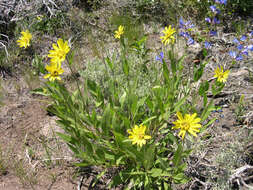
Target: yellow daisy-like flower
[[221, 75], [54, 70], [168, 35], [39, 18], [58, 54], [188, 123], [137, 135], [119, 32], [24, 40]]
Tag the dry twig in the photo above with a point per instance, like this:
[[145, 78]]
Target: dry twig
[[239, 176]]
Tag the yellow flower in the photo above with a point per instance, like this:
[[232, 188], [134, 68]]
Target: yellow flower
[[188, 123], [137, 135], [39, 18], [59, 53], [221, 75], [54, 70], [119, 32], [24, 40], [168, 35]]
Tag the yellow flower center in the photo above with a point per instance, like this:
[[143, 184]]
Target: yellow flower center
[[185, 126], [55, 74], [61, 54], [221, 75], [140, 136]]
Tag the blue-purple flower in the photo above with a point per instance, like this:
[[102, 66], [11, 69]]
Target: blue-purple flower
[[236, 41], [190, 41], [214, 21], [245, 51], [184, 34], [250, 47], [234, 55], [207, 45], [214, 9], [213, 33], [160, 57], [185, 25], [240, 47], [188, 37], [243, 38], [221, 2], [208, 20]]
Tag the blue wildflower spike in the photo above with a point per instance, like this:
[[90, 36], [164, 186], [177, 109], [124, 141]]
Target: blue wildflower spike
[[208, 20], [207, 45], [243, 38], [213, 33], [240, 47], [221, 1], [245, 51], [232, 54], [160, 57], [216, 21], [250, 47], [190, 41], [239, 58], [185, 25], [236, 41], [214, 9]]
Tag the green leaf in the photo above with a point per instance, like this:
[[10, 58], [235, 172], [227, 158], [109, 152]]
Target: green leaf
[[65, 137], [150, 104], [207, 110], [125, 67], [204, 86], [122, 99], [40, 91], [164, 163], [137, 173], [178, 177], [119, 160], [180, 62], [110, 63], [172, 137], [149, 155], [172, 62], [178, 155], [70, 57], [109, 156], [106, 120], [119, 139], [83, 164], [133, 99], [156, 172], [166, 73], [100, 153], [92, 86], [179, 104], [98, 177], [217, 88], [204, 53], [116, 180], [148, 120], [204, 100], [198, 73], [42, 68], [206, 125]]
